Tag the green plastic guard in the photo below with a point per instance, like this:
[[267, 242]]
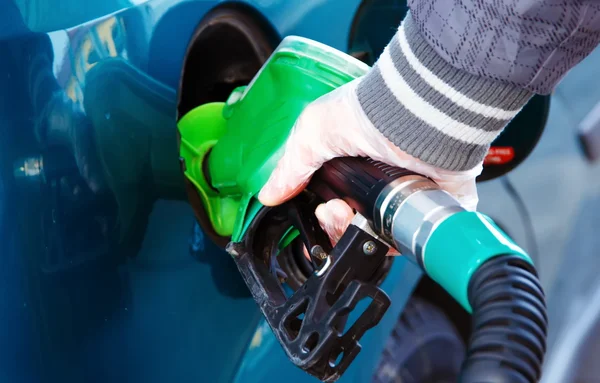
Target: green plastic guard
[[246, 135], [200, 130], [459, 246]]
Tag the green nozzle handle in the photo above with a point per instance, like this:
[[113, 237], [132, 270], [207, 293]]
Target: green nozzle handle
[[425, 223]]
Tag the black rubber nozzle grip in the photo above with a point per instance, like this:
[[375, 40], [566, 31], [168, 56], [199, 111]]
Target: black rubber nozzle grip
[[358, 181]]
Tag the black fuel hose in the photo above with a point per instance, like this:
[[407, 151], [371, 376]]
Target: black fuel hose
[[508, 339]]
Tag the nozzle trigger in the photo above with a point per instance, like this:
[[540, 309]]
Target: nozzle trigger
[[301, 213]]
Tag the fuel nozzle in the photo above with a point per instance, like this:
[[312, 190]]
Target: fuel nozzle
[[403, 207], [463, 251], [313, 324]]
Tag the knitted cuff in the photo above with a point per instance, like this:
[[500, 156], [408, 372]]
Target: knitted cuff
[[431, 110]]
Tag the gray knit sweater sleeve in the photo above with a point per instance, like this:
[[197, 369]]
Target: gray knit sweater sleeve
[[457, 71]]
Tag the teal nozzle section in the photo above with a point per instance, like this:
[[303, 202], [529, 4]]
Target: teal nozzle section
[[459, 246]]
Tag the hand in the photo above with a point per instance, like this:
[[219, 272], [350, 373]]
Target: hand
[[336, 126]]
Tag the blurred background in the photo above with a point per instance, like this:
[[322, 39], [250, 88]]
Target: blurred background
[[105, 274]]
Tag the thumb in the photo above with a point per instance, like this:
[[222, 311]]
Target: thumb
[[294, 170]]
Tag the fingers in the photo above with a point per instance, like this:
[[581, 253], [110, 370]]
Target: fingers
[[334, 217], [287, 180], [303, 156], [323, 131]]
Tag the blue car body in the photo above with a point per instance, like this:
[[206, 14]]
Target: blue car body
[[160, 315], [157, 313]]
